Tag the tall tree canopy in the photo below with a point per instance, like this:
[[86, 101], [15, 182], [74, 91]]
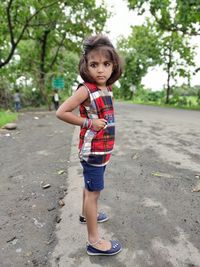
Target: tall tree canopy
[[172, 15], [69, 20], [141, 51], [162, 40], [43, 34]]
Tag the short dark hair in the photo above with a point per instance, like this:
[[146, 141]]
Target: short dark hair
[[100, 43]]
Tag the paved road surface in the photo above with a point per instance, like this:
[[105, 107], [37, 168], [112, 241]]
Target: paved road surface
[[148, 195], [32, 156]]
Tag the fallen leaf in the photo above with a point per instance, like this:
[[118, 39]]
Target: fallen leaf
[[156, 174], [61, 172], [160, 174]]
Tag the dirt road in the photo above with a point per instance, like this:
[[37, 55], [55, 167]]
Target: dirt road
[[150, 192]]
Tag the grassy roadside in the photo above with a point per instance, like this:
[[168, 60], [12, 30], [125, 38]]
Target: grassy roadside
[[6, 117], [159, 105]]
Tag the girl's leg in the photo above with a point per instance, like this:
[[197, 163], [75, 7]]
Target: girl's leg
[[90, 209], [83, 212]]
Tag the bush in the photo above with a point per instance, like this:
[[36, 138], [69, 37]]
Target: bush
[[116, 92], [6, 98], [156, 96]]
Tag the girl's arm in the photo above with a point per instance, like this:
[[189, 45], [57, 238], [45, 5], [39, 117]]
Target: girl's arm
[[64, 112]]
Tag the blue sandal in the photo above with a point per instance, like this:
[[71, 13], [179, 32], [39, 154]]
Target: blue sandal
[[116, 247], [102, 217]]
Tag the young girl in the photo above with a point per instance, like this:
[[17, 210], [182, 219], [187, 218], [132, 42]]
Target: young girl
[[99, 67]]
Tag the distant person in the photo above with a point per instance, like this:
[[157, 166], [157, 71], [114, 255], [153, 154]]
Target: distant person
[[17, 100], [55, 99], [99, 67]]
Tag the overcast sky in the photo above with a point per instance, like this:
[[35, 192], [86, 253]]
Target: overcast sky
[[120, 24]]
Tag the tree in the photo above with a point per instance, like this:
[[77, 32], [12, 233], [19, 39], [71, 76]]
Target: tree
[[64, 27], [15, 19], [177, 57], [175, 21], [141, 51], [172, 15], [41, 33]]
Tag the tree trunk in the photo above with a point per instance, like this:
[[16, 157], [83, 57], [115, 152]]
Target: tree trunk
[[42, 70], [169, 65]]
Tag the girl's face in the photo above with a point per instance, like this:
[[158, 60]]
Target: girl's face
[[100, 67]]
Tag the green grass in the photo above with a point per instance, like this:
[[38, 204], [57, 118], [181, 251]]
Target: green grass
[[171, 106], [6, 117], [151, 103]]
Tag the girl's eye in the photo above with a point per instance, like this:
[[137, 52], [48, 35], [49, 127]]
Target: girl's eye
[[107, 64], [93, 65]]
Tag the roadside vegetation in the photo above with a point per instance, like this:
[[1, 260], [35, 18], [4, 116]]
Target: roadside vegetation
[[183, 97], [6, 117]]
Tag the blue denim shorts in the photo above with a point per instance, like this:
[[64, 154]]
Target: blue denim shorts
[[93, 176]]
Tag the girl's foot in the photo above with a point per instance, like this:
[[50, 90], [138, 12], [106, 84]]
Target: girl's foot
[[104, 247], [101, 217]]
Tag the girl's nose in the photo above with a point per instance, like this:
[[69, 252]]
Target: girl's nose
[[100, 68]]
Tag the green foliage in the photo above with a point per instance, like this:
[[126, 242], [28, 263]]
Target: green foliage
[[176, 51], [117, 92], [143, 95], [185, 96], [179, 99], [67, 23], [186, 90], [41, 34], [170, 15], [156, 96], [177, 57], [69, 69], [140, 50], [6, 117], [6, 98], [158, 43]]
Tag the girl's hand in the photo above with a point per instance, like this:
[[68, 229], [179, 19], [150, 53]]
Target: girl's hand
[[99, 124]]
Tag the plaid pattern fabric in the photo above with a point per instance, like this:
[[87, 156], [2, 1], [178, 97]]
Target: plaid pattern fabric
[[96, 147]]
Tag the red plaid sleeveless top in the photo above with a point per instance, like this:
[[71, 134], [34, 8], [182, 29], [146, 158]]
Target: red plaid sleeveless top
[[96, 147]]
